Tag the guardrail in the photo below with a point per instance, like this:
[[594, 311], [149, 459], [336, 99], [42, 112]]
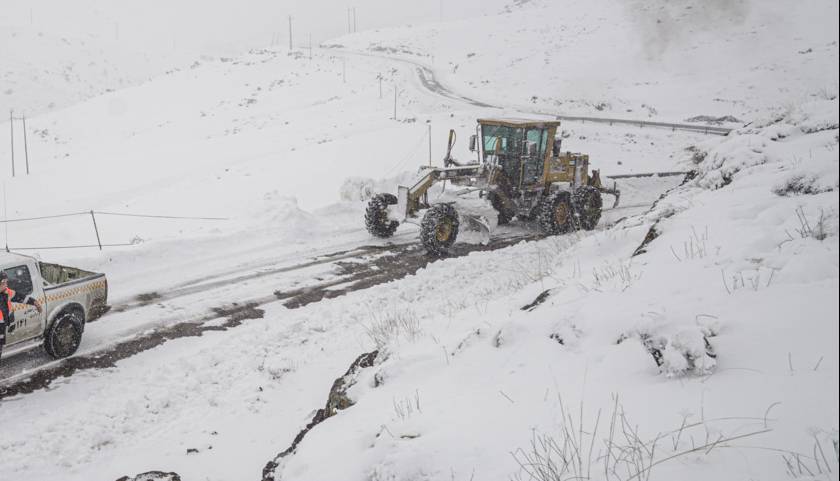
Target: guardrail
[[646, 174], [705, 129]]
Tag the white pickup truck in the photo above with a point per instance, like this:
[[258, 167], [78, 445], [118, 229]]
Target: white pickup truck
[[69, 297]]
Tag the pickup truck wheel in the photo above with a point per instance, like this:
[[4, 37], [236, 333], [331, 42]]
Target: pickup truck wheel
[[64, 336]]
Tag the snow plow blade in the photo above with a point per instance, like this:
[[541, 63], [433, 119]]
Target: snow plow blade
[[477, 224]]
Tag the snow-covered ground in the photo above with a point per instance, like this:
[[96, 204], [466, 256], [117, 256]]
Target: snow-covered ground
[[710, 354]]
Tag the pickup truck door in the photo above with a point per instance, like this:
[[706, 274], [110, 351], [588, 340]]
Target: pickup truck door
[[28, 322]]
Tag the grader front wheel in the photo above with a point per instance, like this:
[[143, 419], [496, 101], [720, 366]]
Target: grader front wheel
[[439, 229], [376, 216]]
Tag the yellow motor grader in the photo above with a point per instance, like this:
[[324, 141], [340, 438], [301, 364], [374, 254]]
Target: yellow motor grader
[[520, 169]]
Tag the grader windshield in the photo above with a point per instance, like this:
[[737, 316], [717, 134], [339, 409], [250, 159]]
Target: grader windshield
[[518, 150], [501, 140]]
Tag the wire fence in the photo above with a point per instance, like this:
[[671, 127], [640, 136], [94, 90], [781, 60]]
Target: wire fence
[[93, 214]]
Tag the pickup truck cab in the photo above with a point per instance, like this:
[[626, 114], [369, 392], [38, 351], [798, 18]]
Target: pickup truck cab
[[69, 298]]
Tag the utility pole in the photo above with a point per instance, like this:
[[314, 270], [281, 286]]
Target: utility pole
[[349, 29], [430, 143], [354, 20], [25, 145], [290, 33], [380, 85], [12, 131]]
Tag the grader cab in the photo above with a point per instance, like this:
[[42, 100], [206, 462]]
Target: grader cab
[[520, 169]]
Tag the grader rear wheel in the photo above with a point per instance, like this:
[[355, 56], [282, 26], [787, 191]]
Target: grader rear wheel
[[555, 214], [439, 229], [588, 204]]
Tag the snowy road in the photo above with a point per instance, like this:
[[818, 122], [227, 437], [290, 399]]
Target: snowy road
[[196, 305], [327, 276]]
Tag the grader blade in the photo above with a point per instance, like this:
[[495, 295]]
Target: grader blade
[[476, 225]]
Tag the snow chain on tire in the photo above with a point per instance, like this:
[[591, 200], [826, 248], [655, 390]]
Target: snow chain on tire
[[376, 216], [555, 214], [588, 203], [439, 229]]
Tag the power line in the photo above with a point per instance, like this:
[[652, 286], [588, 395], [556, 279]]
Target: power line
[[151, 216], [6, 221], [160, 216], [68, 247]]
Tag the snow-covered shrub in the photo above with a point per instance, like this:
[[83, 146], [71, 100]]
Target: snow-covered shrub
[[819, 463], [406, 407], [727, 159], [392, 326], [611, 448], [277, 368], [566, 333], [617, 275], [468, 340], [697, 155], [677, 351], [819, 226], [805, 183], [153, 476], [694, 247], [688, 352]]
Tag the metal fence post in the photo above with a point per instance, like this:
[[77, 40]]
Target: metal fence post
[[25, 145], [12, 136], [96, 229]]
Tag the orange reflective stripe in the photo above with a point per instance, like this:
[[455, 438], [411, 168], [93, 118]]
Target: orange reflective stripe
[[9, 295]]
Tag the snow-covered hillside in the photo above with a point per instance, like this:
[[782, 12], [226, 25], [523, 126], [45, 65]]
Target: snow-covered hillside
[[693, 335], [667, 60]]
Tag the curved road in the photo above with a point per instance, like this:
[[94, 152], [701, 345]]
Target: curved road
[[427, 78]]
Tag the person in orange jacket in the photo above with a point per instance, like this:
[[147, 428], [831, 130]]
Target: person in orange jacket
[[7, 315]]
